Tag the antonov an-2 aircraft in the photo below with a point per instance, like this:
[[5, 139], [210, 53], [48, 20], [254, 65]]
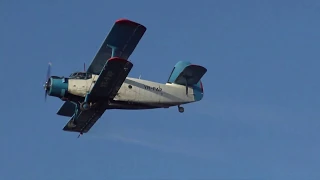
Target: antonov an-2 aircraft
[[105, 84]]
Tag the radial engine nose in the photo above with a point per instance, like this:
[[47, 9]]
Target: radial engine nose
[[56, 86]]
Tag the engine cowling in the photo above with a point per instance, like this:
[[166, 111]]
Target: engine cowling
[[57, 86]]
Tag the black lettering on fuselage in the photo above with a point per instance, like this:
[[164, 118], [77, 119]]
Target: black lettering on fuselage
[[153, 88], [105, 79]]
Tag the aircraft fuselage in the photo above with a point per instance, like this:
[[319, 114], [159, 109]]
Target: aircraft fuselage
[[138, 91]]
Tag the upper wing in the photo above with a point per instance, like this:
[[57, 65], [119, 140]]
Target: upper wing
[[85, 120], [121, 42]]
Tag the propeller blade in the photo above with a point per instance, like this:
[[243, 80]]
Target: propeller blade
[[46, 85], [49, 70]]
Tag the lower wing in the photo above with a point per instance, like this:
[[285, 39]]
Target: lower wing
[[85, 121]]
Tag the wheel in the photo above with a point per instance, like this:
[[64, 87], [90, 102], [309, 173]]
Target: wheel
[[71, 124], [84, 106], [181, 109]]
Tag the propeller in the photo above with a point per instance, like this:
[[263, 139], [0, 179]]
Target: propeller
[[47, 83]]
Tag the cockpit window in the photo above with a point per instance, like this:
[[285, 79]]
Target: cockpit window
[[89, 76], [80, 75]]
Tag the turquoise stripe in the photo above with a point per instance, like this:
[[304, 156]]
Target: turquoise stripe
[[178, 68], [198, 94]]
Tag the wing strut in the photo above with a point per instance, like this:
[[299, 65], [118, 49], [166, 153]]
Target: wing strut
[[187, 86]]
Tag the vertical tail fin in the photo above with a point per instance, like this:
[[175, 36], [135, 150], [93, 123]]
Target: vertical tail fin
[[189, 75]]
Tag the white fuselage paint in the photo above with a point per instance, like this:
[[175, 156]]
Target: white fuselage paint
[[141, 91]]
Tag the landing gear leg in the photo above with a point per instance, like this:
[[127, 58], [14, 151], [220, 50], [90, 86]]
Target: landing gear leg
[[181, 109], [73, 123], [84, 106]]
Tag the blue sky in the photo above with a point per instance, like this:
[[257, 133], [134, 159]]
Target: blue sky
[[259, 118]]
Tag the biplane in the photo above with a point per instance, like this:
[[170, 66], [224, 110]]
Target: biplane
[[105, 84]]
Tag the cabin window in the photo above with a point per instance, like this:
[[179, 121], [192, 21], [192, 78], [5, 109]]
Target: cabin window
[[81, 75], [89, 76]]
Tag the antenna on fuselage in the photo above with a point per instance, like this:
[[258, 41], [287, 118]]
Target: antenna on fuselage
[[140, 76]]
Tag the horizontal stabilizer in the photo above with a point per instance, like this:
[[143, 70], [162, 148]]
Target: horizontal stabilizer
[[67, 109], [186, 73], [191, 75]]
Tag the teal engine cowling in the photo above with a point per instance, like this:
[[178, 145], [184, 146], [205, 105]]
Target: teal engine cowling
[[57, 87]]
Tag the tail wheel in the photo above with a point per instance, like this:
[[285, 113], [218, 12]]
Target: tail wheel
[[181, 109]]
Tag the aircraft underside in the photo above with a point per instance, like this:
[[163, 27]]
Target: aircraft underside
[[136, 105]]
